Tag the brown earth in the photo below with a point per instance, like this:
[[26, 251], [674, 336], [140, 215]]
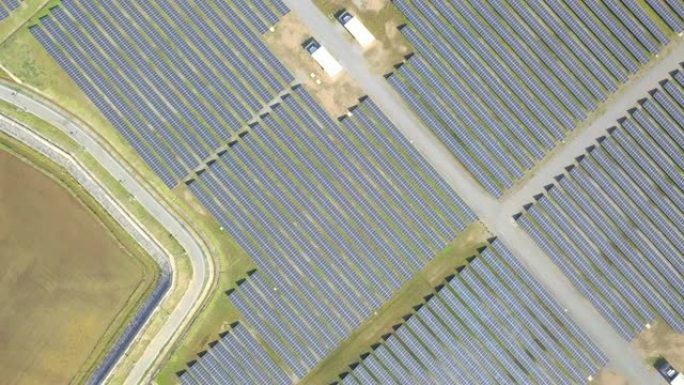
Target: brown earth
[[382, 19], [658, 341], [370, 5], [608, 376], [64, 279], [661, 340], [336, 95]]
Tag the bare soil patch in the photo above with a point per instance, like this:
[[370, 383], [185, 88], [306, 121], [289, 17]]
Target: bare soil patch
[[336, 95], [64, 280], [370, 5], [608, 376], [382, 19], [658, 341], [661, 340]]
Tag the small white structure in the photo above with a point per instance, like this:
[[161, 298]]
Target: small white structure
[[671, 375], [356, 28], [330, 65]]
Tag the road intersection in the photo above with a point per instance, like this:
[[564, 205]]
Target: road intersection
[[495, 214]]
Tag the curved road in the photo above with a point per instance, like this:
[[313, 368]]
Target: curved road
[[199, 256], [496, 214]]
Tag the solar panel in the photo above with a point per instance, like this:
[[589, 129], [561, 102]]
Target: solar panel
[[464, 335], [614, 221]]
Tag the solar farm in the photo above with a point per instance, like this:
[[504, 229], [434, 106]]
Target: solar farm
[[7, 6], [326, 218], [174, 78], [489, 323], [220, 363], [338, 216], [613, 221], [501, 83]]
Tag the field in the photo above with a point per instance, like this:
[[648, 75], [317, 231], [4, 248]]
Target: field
[[23, 57], [67, 283], [19, 16], [329, 225]]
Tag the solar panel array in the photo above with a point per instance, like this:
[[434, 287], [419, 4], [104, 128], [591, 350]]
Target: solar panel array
[[337, 215], [491, 323], [614, 222], [7, 6], [221, 365], [500, 82], [177, 79]]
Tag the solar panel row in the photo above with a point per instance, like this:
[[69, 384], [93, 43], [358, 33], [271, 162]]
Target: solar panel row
[[614, 223], [337, 215], [489, 324], [665, 11], [221, 365], [177, 79], [7, 6], [500, 82]]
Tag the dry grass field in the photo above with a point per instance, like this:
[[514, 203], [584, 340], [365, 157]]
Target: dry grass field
[[65, 281]]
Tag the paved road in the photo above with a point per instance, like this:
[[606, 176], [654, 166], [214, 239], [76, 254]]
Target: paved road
[[194, 247], [497, 215]]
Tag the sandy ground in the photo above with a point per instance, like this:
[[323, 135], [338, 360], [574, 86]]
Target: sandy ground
[[370, 5], [382, 19], [658, 341], [608, 376], [63, 279], [337, 94], [661, 340]]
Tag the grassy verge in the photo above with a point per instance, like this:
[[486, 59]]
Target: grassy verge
[[219, 312], [148, 266], [24, 57], [22, 15], [121, 195], [401, 303]]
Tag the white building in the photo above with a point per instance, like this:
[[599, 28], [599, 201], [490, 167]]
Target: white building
[[330, 65], [356, 28]]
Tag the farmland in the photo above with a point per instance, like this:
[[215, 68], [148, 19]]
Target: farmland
[[78, 267], [366, 238]]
